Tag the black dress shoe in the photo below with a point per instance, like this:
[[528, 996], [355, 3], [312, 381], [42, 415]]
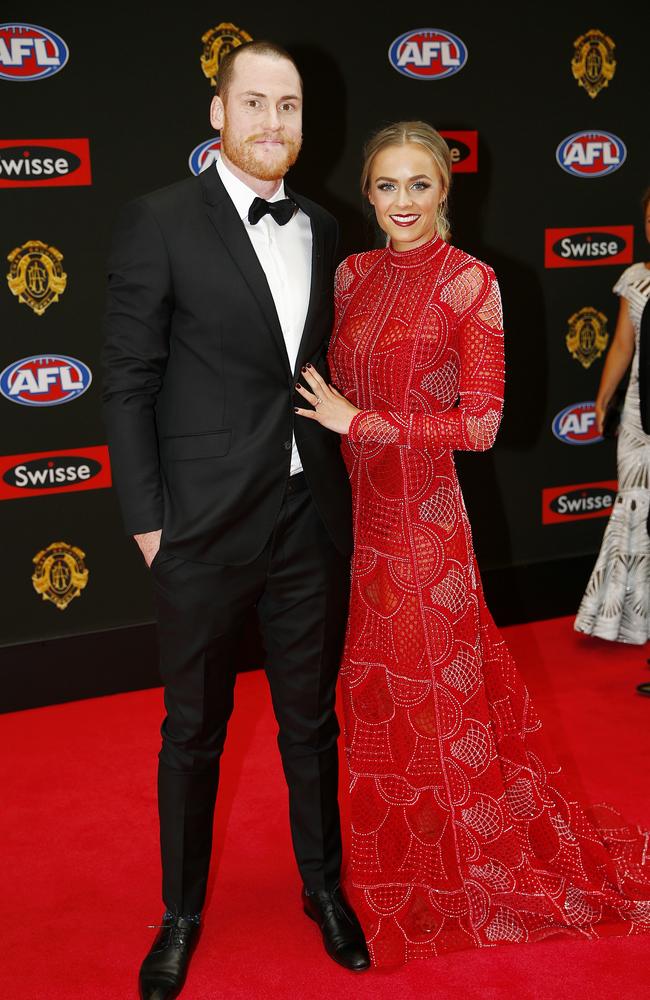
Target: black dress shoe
[[643, 688], [341, 930], [163, 971]]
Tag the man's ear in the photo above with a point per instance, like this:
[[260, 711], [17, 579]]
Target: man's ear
[[217, 114]]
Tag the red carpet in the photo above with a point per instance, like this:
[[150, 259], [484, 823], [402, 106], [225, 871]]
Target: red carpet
[[80, 868]]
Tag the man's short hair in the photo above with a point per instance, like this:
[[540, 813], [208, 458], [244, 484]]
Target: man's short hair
[[257, 47]]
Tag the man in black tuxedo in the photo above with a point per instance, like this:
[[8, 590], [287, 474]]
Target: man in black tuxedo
[[220, 294]]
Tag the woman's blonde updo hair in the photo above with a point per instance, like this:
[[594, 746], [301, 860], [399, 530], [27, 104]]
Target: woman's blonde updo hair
[[421, 134]]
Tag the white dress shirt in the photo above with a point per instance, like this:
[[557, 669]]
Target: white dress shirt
[[285, 255]]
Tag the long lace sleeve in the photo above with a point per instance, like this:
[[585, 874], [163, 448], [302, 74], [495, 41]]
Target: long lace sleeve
[[342, 281], [472, 424]]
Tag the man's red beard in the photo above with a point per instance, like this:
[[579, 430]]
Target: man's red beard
[[243, 154]]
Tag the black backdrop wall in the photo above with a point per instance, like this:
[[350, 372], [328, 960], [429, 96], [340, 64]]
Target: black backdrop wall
[[134, 88]]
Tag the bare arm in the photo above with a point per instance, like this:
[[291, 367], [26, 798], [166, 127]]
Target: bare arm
[[617, 362]]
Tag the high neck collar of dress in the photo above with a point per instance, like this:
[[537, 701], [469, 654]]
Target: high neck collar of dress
[[416, 257]]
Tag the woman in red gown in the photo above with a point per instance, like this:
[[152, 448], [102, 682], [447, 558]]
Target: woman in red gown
[[464, 833]]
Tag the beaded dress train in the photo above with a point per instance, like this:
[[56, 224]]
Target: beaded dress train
[[464, 833]]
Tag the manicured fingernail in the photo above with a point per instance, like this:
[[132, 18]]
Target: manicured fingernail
[[304, 368], [298, 386], [296, 410], [308, 365]]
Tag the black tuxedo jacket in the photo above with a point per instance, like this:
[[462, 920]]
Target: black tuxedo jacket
[[198, 391]]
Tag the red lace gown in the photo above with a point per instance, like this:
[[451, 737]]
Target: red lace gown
[[464, 834]]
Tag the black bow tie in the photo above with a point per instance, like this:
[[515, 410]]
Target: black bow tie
[[282, 211]]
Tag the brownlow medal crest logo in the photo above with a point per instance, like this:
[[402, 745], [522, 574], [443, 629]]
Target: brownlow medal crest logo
[[60, 573], [218, 42], [587, 337], [593, 64], [36, 276]]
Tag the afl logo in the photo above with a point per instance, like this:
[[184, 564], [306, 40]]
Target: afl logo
[[45, 380], [591, 154], [204, 155], [28, 52], [576, 424], [428, 54]]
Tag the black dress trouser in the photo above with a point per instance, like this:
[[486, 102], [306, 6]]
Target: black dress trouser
[[300, 586]]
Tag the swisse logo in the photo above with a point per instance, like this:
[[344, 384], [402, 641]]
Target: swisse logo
[[204, 155], [54, 472], [591, 154], [596, 244], [579, 502], [427, 54], [29, 52], [576, 424], [463, 146], [588, 246], [44, 162], [45, 380]]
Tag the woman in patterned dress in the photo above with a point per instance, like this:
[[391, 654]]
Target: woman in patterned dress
[[616, 603], [464, 834]]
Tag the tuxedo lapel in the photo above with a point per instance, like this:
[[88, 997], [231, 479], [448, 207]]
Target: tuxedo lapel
[[230, 230], [316, 288]]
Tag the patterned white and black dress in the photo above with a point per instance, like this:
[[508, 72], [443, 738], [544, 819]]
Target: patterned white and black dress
[[616, 603]]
